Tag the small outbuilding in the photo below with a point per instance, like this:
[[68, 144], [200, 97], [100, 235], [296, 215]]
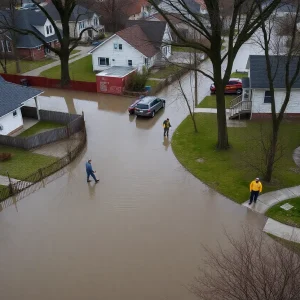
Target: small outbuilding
[[113, 80], [12, 98]]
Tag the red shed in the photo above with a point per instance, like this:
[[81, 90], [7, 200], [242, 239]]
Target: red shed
[[113, 80]]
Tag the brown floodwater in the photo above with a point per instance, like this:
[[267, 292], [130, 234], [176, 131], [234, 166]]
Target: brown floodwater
[[137, 234]]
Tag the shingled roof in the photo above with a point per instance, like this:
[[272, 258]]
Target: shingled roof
[[28, 20], [13, 96], [258, 71]]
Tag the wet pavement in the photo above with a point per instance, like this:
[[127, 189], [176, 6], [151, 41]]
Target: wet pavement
[[137, 234]]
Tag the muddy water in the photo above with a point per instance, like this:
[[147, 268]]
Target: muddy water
[[135, 235]]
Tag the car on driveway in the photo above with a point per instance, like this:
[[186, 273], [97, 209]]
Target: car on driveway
[[149, 106], [234, 86], [133, 105]]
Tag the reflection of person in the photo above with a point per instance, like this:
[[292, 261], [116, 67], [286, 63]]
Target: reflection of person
[[166, 125], [166, 143], [90, 171], [255, 189]]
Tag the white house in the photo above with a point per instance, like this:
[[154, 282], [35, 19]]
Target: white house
[[141, 44], [256, 99], [12, 98], [80, 19]]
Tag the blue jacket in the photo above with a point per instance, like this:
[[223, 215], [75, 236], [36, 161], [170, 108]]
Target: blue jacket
[[89, 168]]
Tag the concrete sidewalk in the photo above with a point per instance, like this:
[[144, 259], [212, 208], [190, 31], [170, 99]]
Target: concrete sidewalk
[[83, 53], [266, 201]]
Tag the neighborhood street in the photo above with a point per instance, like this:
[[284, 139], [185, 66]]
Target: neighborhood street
[[138, 233]]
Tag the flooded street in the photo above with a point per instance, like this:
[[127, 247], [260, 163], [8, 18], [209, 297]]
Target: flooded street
[[137, 234]]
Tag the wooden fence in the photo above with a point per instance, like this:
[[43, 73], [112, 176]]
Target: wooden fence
[[15, 188], [71, 124]]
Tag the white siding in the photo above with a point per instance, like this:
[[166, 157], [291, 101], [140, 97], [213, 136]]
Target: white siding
[[48, 23], [258, 105], [11, 123], [118, 57]]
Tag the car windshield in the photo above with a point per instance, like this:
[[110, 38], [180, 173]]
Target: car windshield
[[142, 106]]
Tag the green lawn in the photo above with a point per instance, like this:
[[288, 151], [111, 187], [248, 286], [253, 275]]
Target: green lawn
[[165, 72], [184, 49], [152, 83], [239, 75], [81, 70], [210, 101], [39, 127], [229, 172], [290, 217], [23, 163], [25, 65]]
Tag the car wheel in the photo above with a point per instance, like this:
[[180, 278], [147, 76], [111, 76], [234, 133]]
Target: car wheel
[[153, 114], [238, 91]]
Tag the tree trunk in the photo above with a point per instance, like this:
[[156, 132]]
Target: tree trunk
[[64, 68], [272, 154], [222, 143]]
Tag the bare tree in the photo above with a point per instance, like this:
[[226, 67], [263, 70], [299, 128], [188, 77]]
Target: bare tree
[[221, 16], [67, 43], [254, 268], [284, 66]]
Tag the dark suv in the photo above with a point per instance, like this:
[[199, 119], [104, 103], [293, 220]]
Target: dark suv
[[149, 106]]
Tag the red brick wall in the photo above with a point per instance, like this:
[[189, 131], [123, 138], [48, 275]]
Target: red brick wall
[[25, 53], [38, 54], [268, 116]]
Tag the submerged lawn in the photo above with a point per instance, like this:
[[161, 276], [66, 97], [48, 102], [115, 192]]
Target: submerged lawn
[[40, 127], [229, 172], [290, 217], [23, 163]]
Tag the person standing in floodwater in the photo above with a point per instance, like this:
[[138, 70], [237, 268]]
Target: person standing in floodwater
[[90, 171], [166, 125]]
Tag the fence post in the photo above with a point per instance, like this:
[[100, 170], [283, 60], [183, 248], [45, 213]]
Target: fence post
[[10, 187]]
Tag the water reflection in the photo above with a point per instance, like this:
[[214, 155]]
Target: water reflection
[[166, 143]]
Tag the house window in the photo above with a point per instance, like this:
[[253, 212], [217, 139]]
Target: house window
[[96, 22], [120, 46], [146, 61], [103, 61], [115, 46], [129, 62], [267, 98], [15, 113], [47, 30], [8, 46], [81, 25], [50, 29]]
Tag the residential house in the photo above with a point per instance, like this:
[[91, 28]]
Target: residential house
[[139, 9], [256, 98], [13, 97], [80, 19], [28, 46], [141, 44]]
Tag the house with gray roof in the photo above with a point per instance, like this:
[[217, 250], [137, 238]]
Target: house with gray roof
[[28, 46], [12, 98], [80, 19], [256, 98]]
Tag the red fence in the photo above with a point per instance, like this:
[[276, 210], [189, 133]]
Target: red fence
[[52, 83]]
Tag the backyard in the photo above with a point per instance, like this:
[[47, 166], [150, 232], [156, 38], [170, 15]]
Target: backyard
[[25, 65], [80, 70], [23, 163], [40, 127], [229, 172]]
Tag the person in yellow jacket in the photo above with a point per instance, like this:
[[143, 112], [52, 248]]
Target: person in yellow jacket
[[255, 189]]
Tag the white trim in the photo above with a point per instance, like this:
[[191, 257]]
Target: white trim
[[102, 44]]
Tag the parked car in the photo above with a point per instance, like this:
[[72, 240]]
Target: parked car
[[31, 6], [234, 86], [149, 106], [133, 105]]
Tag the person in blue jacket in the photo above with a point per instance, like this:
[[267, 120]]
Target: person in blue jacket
[[90, 171]]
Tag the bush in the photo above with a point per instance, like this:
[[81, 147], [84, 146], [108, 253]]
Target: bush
[[137, 81], [5, 156]]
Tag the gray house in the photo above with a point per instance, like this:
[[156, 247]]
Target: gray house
[[12, 98]]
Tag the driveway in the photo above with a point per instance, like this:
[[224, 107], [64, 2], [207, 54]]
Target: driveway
[[137, 234]]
